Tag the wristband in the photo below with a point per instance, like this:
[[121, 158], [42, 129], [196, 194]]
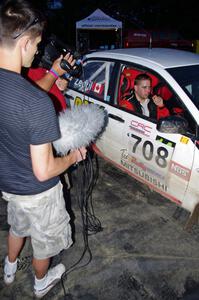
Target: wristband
[[54, 73]]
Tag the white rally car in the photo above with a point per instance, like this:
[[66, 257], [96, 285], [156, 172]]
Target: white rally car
[[160, 153]]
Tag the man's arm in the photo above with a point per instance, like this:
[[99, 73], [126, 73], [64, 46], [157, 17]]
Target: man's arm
[[46, 166], [47, 81]]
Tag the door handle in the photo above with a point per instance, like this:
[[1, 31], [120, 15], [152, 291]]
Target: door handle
[[116, 118]]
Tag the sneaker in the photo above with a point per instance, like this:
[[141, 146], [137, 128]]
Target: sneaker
[[52, 277], [9, 271]]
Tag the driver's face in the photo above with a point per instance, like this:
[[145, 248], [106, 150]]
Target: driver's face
[[143, 89]]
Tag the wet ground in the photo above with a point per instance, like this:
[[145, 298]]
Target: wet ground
[[143, 251]]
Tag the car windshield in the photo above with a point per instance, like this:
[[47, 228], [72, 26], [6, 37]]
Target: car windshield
[[188, 78]]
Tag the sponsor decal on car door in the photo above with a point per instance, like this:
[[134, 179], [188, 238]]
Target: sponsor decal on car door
[[161, 160]]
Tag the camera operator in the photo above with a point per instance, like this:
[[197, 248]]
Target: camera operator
[[51, 80], [53, 67], [29, 171]]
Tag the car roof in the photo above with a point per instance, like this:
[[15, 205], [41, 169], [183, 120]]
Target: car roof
[[164, 57]]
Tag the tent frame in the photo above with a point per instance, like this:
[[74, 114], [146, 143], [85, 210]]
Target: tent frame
[[98, 20]]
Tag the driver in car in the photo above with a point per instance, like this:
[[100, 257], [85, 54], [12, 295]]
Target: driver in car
[[143, 102]]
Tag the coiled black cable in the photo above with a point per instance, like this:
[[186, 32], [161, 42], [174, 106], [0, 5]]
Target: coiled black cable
[[86, 177]]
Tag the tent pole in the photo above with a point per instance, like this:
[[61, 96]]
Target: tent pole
[[77, 40], [121, 37]]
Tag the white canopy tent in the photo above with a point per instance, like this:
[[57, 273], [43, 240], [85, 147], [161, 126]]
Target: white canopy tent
[[98, 20]]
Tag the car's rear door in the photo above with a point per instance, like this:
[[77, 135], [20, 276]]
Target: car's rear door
[[94, 87]]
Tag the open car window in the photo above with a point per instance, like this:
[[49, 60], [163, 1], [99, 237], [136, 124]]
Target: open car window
[[126, 82], [172, 103]]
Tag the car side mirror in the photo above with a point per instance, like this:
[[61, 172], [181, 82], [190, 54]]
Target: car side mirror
[[173, 124]]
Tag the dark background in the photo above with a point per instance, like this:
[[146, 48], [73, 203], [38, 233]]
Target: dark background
[[152, 14]]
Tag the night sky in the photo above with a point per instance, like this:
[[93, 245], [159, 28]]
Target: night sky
[[174, 15]]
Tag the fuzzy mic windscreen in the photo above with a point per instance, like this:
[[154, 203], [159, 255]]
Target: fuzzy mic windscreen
[[79, 127]]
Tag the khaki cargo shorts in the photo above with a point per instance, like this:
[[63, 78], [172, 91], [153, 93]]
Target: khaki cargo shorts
[[43, 217]]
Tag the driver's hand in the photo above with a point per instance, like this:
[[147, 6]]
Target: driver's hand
[[158, 101]]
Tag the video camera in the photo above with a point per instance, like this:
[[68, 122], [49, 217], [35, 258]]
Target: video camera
[[50, 49]]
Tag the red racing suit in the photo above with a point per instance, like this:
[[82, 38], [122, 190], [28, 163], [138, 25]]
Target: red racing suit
[[155, 111]]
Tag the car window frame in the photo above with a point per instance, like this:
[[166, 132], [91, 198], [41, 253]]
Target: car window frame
[[161, 79], [106, 98]]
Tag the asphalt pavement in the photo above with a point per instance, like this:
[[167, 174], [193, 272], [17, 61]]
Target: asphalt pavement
[[137, 247]]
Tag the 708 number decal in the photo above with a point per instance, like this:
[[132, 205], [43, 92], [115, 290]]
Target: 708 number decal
[[148, 151]]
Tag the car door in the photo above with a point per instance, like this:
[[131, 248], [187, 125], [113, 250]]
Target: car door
[[148, 153], [163, 160]]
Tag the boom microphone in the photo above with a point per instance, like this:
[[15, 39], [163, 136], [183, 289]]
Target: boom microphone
[[79, 127]]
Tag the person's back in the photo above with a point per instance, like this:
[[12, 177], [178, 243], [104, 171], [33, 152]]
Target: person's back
[[20, 110], [29, 171]]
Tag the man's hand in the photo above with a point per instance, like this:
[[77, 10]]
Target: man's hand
[[56, 64], [158, 101], [61, 84], [79, 154], [46, 166]]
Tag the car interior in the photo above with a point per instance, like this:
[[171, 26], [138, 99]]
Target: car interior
[[159, 87], [126, 86]]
